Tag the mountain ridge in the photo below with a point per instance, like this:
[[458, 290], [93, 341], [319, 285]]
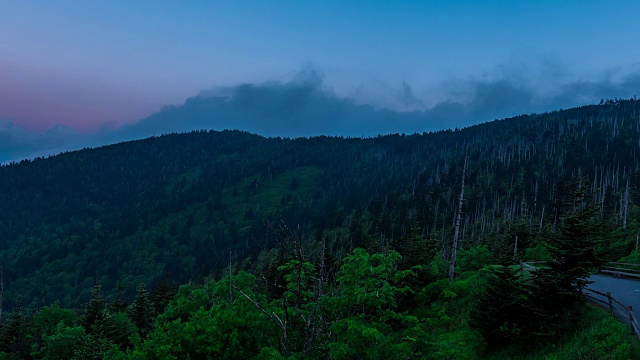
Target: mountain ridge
[[182, 203]]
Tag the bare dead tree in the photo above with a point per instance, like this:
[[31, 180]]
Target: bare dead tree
[[306, 322], [625, 206], [274, 317], [1, 288], [456, 232], [322, 268], [230, 280]]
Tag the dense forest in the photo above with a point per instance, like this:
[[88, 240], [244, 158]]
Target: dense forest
[[228, 244]]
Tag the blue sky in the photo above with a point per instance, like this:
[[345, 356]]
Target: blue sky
[[79, 67]]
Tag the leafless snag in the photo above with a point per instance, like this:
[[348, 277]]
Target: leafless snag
[[456, 232]]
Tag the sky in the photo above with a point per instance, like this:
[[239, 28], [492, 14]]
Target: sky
[[76, 73]]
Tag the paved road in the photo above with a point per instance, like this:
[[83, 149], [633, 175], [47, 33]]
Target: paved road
[[626, 291]]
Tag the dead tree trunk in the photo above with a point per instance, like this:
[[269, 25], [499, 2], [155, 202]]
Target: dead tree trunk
[[456, 231], [1, 289], [625, 206]]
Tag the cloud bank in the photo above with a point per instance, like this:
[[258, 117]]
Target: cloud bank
[[305, 106]]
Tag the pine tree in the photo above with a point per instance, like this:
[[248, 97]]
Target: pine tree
[[161, 296], [418, 251], [114, 329], [574, 248], [93, 349], [500, 311], [14, 335], [93, 311], [415, 248], [141, 311], [556, 289]]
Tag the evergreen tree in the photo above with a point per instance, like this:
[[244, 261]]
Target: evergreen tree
[[415, 249], [94, 310], [556, 289], [141, 311], [61, 344], [14, 336], [114, 329], [162, 295], [418, 252], [500, 311], [574, 249], [94, 348]]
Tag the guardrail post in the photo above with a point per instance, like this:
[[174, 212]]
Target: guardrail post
[[610, 302], [630, 310]]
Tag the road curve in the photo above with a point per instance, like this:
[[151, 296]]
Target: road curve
[[626, 291]]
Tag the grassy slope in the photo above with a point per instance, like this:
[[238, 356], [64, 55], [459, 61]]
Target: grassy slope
[[598, 336]]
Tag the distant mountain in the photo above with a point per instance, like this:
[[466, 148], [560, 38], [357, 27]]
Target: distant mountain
[[290, 110], [302, 107], [185, 205]]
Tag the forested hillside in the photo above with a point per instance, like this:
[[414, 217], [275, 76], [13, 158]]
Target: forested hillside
[[324, 247], [184, 206]]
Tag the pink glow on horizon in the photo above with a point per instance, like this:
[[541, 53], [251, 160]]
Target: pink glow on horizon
[[38, 101]]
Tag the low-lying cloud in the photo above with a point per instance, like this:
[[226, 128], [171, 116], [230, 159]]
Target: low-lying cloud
[[305, 106]]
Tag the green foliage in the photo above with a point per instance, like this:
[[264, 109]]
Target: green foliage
[[139, 211], [358, 337], [437, 268], [606, 338], [63, 343], [515, 309], [633, 258], [357, 316], [297, 276], [94, 310], [141, 311], [457, 344], [556, 289], [162, 295], [47, 320], [443, 308], [367, 324], [114, 329], [205, 323], [368, 283], [136, 213], [597, 336], [14, 335], [537, 253], [473, 259], [500, 311], [574, 248]]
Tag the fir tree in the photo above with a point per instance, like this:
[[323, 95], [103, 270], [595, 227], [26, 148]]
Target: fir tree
[[14, 335], [500, 311], [556, 289], [161, 296], [574, 249], [141, 311], [92, 349], [114, 329], [93, 311], [415, 248]]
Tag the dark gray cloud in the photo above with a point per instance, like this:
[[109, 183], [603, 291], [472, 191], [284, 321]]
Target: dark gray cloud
[[408, 99], [304, 106]]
